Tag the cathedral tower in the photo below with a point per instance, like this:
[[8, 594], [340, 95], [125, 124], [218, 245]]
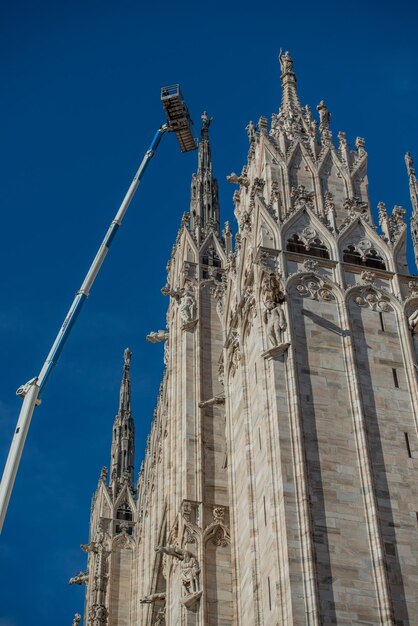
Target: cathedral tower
[[111, 548], [279, 482]]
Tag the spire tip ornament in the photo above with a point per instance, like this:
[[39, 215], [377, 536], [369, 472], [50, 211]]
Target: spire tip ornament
[[286, 62], [127, 355]]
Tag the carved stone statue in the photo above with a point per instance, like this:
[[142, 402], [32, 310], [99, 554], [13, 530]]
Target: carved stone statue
[[190, 571], [190, 568], [274, 316], [413, 321], [275, 320], [206, 120], [324, 116], [188, 307], [360, 144], [76, 619], [251, 131], [409, 164], [286, 62], [127, 356]]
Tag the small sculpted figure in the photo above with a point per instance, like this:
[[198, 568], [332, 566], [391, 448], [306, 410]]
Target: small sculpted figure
[[275, 320], [190, 568], [127, 356], [188, 307], [76, 619], [190, 571], [274, 317], [286, 63], [324, 116]]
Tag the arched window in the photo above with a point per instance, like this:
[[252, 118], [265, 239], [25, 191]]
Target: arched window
[[314, 248], [124, 513], [371, 259], [211, 257]]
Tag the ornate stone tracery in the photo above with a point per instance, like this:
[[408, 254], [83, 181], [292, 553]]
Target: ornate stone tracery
[[218, 532], [302, 198], [315, 288]]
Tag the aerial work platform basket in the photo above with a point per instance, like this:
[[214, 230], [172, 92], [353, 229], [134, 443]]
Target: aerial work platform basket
[[178, 117]]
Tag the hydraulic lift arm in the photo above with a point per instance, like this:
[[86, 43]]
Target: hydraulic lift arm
[[179, 122]]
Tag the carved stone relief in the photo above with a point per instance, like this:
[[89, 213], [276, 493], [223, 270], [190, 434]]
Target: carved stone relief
[[354, 205], [413, 288], [370, 297], [301, 198], [267, 260], [97, 615], [315, 288], [309, 265], [218, 532]]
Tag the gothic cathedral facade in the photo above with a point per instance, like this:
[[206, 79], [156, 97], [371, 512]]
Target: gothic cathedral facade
[[278, 485]]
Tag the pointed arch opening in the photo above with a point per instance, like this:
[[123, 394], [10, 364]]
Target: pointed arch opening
[[315, 247], [371, 258], [124, 514]]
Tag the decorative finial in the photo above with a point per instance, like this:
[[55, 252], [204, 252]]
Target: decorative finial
[[127, 357]]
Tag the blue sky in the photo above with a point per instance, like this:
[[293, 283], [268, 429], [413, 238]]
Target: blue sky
[[80, 105]]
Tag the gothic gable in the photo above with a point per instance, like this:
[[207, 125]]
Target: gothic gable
[[334, 177], [305, 227], [301, 169], [265, 227], [212, 241], [360, 241]]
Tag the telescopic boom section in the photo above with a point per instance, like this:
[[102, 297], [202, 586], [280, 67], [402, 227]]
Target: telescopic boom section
[[179, 122]]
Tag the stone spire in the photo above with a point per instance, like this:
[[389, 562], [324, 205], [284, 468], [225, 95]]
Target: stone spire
[[123, 444], [290, 99], [204, 204], [413, 190]]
